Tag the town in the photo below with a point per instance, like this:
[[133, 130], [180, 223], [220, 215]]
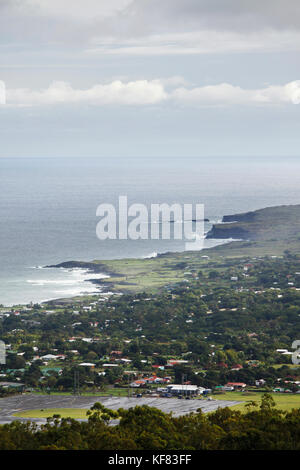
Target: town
[[220, 333]]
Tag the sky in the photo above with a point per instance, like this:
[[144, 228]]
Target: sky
[[149, 78]]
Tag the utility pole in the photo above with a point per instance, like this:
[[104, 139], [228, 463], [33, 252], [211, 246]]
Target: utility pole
[[76, 383], [2, 353], [183, 376]]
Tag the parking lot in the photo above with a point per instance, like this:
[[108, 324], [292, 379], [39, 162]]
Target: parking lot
[[15, 404]]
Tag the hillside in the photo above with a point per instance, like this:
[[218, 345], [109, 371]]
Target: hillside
[[272, 223], [266, 232]]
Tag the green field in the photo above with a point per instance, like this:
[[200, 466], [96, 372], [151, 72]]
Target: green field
[[284, 401], [75, 413], [153, 275]]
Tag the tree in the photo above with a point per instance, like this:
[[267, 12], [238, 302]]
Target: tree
[[15, 362]]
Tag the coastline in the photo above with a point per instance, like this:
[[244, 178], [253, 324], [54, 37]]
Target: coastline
[[102, 268], [104, 285], [265, 232]]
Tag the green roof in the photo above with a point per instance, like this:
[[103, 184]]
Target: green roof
[[46, 370]]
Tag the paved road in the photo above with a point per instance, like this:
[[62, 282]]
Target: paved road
[[11, 405]]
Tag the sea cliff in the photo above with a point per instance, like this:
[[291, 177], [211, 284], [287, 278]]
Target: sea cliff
[[277, 223]]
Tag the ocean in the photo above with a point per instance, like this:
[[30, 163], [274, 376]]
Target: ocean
[[48, 210]]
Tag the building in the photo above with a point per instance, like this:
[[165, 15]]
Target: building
[[223, 388], [237, 367], [185, 390], [260, 382], [176, 362], [12, 385], [236, 385]]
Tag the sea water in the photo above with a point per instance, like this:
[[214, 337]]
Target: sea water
[[48, 210]]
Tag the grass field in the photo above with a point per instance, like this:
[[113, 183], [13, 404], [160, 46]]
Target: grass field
[[284, 401], [75, 413], [290, 366], [151, 275]]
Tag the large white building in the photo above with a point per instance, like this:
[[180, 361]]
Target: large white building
[[188, 390]]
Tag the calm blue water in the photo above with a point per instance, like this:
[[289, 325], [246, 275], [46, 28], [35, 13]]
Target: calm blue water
[[48, 209]]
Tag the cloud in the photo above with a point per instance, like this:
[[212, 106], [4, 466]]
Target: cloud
[[140, 92], [71, 9], [227, 94], [2, 93], [198, 42], [153, 92], [216, 14], [141, 15], [153, 27]]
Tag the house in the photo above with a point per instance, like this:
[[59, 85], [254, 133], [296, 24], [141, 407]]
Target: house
[[223, 388], [137, 383], [157, 380], [175, 362], [156, 366], [248, 266], [260, 382], [236, 385], [237, 367], [49, 357], [15, 385], [116, 353], [125, 360], [46, 371]]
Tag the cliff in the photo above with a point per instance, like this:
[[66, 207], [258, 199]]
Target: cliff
[[277, 223]]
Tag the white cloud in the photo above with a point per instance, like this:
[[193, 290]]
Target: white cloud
[[152, 92], [2, 92], [140, 92], [226, 94]]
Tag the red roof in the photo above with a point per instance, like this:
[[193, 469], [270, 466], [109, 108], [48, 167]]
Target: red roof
[[222, 364], [236, 384]]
